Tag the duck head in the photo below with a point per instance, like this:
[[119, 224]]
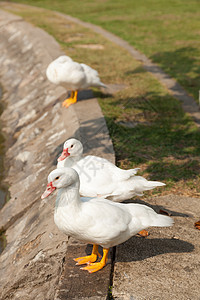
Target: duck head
[[72, 148], [61, 178]]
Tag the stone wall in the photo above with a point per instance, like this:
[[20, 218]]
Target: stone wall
[[35, 126]]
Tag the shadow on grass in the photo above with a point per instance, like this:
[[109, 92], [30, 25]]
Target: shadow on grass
[[182, 65], [169, 143], [137, 70]]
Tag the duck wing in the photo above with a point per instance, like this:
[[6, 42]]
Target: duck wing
[[99, 177], [92, 77], [145, 217], [134, 186], [67, 73], [109, 224], [103, 223]]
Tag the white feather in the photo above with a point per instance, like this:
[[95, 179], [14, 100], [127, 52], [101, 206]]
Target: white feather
[[72, 75], [96, 220], [99, 177]]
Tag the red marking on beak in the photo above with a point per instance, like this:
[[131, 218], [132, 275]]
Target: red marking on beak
[[64, 154], [50, 188]]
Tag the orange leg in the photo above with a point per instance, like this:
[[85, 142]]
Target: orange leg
[[90, 258], [71, 100], [94, 267]]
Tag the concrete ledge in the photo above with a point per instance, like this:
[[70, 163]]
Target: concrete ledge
[[166, 264], [36, 127]]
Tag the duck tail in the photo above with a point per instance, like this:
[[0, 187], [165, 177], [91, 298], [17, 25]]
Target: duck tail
[[149, 185], [141, 184], [101, 84], [162, 221], [153, 184]]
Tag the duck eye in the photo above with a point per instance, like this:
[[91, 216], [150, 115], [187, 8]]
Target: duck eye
[[57, 177]]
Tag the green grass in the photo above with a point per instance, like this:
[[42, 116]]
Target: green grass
[[164, 142], [166, 31]]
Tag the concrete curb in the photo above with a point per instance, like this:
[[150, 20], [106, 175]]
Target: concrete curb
[[32, 265]]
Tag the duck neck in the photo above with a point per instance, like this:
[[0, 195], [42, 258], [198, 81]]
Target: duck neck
[[71, 160], [68, 195]]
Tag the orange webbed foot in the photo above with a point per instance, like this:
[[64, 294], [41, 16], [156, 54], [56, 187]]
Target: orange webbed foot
[[86, 259], [71, 100], [90, 258], [68, 102], [94, 267]]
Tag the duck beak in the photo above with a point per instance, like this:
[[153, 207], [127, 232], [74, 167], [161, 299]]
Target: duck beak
[[50, 188], [64, 154]]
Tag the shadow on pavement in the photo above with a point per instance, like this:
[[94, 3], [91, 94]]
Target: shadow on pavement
[[145, 248]]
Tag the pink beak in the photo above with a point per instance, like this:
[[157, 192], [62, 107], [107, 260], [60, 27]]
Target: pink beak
[[64, 154], [50, 188]]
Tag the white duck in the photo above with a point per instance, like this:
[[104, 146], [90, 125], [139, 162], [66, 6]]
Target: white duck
[[73, 76], [96, 220], [99, 177]]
